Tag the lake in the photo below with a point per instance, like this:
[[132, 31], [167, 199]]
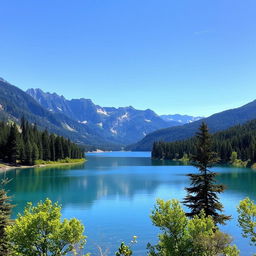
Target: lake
[[113, 194]]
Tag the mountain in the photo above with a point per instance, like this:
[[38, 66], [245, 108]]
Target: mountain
[[123, 125], [80, 119], [14, 103], [240, 139], [180, 119], [216, 122]]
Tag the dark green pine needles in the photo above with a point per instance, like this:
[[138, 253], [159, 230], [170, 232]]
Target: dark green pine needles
[[5, 213], [203, 193]]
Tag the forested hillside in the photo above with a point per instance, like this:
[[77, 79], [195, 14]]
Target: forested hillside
[[123, 125], [26, 144], [216, 122], [240, 139], [14, 104]]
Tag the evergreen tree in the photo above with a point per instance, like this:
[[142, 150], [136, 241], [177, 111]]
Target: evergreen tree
[[22, 151], [59, 148], [12, 145], [35, 153], [30, 144], [46, 146], [5, 212], [240, 139], [52, 147], [203, 193], [29, 152]]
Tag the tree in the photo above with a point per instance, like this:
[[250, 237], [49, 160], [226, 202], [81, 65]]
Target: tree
[[233, 157], [28, 153], [35, 153], [203, 193], [29, 144], [12, 145], [247, 219], [40, 232], [52, 147], [124, 250], [5, 213], [182, 236], [46, 146], [59, 149]]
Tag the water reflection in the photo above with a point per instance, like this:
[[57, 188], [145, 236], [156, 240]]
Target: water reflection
[[106, 187], [82, 185]]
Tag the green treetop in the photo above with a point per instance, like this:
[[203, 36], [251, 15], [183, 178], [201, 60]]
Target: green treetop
[[40, 232], [182, 236], [203, 193], [5, 212], [247, 219]]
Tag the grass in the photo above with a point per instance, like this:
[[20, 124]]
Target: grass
[[62, 161]]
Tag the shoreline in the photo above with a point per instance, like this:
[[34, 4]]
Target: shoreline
[[6, 167], [98, 151], [187, 162]]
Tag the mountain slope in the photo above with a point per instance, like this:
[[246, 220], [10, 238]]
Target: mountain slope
[[180, 119], [240, 139], [124, 125], [14, 103], [216, 122]]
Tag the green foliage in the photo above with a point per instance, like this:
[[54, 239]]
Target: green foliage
[[28, 144], [233, 157], [237, 162], [203, 193], [172, 221], [62, 161], [187, 237], [124, 250], [12, 144], [40, 232], [240, 139], [247, 219], [231, 251], [5, 212]]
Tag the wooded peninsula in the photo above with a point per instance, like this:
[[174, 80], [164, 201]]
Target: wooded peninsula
[[27, 145]]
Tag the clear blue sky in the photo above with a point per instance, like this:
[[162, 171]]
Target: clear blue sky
[[174, 56]]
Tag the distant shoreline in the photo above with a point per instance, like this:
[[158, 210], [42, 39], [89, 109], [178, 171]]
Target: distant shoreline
[[6, 167], [99, 151]]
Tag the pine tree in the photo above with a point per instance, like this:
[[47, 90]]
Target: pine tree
[[203, 193], [29, 153], [46, 146], [30, 144], [52, 147], [59, 148], [5, 212], [12, 145], [22, 151], [35, 153]]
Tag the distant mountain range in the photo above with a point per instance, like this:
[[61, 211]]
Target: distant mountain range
[[107, 127], [80, 119], [180, 119], [15, 103], [216, 122], [123, 125]]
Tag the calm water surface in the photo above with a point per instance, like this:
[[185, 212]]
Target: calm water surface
[[114, 193]]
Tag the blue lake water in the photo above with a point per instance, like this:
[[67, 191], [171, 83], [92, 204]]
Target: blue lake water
[[113, 194]]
